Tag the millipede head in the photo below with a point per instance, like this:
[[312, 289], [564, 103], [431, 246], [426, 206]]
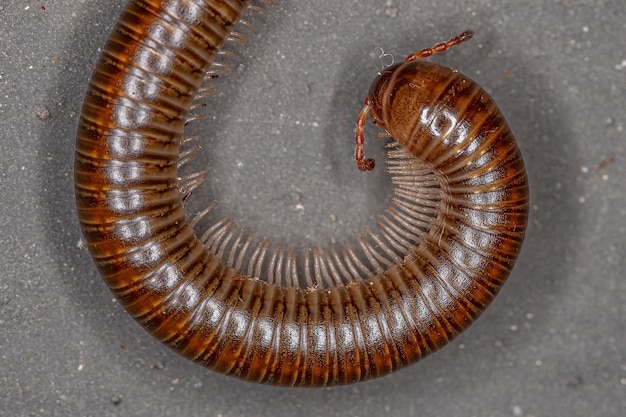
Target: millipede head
[[379, 93]]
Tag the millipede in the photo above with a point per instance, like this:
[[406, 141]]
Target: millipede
[[272, 314]]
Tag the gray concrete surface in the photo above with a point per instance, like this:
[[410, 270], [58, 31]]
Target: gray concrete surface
[[553, 344]]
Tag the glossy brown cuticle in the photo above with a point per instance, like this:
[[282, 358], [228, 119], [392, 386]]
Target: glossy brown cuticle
[[131, 213]]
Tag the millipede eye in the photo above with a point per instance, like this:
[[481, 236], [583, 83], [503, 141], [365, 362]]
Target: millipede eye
[[378, 89]]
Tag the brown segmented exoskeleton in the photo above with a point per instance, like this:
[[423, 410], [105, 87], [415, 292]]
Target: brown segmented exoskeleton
[[372, 314]]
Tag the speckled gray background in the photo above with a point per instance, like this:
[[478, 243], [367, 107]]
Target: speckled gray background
[[278, 145]]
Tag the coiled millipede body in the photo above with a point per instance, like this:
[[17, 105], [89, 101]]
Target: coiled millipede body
[[381, 313]]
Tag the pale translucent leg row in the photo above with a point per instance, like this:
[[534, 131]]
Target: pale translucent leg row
[[400, 228]]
